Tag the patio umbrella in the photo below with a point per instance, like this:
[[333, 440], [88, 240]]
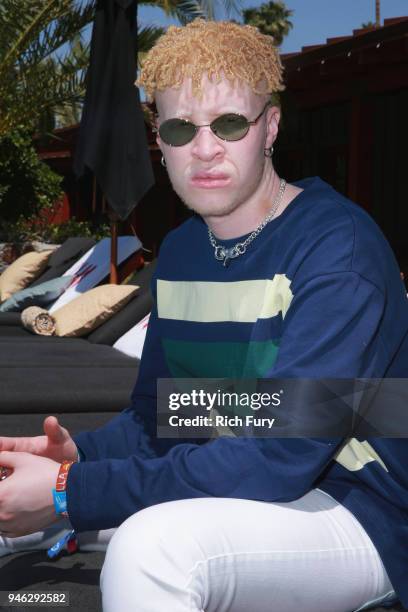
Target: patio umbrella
[[112, 137]]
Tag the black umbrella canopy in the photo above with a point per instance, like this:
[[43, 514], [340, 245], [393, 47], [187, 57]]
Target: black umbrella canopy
[[112, 138]]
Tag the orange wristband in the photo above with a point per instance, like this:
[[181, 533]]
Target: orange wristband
[[63, 475]]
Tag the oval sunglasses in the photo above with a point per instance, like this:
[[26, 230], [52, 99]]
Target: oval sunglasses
[[231, 127]]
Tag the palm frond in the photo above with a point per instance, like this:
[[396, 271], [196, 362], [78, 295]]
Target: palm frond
[[183, 10], [147, 36], [43, 58], [58, 33], [232, 8], [28, 25], [47, 86], [187, 10]]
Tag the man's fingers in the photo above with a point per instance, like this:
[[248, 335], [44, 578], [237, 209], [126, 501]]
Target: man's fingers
[[53, 430], [20, 445], [7, 444]]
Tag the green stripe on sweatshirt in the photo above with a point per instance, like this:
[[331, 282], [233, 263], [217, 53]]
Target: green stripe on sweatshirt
[[220, 359]]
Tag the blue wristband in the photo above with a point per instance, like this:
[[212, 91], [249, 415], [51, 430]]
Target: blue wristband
[[60, 502]]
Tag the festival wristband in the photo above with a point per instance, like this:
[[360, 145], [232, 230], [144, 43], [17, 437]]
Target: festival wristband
[[60, 502], [59, 493], [62, 475]]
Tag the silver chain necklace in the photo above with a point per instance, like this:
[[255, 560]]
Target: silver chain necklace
[[225, 255]]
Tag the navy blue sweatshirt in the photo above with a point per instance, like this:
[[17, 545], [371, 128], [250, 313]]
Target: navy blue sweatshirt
[[316, 295]]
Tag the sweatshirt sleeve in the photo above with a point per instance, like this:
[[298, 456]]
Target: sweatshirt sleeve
[[330, 330]]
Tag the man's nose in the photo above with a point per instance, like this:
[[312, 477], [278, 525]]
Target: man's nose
[[206, 145]]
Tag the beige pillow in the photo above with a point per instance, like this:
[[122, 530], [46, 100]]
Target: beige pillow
[[91, 309], [22, 272]]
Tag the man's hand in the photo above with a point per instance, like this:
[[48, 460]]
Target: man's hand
[[57, 443], [26, 501]]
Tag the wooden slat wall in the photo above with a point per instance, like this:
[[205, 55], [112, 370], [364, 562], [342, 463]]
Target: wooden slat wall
[[315, 142], [389, 167]]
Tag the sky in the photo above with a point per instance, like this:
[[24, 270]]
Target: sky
[[313, 20]]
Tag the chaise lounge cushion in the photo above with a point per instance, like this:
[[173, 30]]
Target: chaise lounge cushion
[[39, 295], [63, 375], [22, 272], [134, 311], [59, 262], [91, 309], [10, 318]]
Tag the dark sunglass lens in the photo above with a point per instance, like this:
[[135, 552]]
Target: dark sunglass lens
[[230, 126], [176, 132]]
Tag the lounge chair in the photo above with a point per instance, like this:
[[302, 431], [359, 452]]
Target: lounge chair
[[94, 266], [67, 376], [87, 270], [60, 261]]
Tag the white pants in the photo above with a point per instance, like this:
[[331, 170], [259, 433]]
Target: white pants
[[235, 555], [219, 555]]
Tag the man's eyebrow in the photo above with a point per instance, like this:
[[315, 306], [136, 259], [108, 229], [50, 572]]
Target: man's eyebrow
[[211, 114], [183, 114], [175, 115], [227, 111]]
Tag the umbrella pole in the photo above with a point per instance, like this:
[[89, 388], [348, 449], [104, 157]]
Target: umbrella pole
[[114, 276]]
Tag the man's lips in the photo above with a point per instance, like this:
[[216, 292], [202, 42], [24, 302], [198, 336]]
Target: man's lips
[[210, 180]]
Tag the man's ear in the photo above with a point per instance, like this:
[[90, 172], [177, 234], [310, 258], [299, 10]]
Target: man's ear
[[154, 122], [156, 130], [158, 141], [273, 115]]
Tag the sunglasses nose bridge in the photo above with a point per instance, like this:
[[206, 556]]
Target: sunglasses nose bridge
[[203, 129], [206, 144]]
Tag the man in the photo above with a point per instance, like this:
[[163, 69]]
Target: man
[[268, 280]]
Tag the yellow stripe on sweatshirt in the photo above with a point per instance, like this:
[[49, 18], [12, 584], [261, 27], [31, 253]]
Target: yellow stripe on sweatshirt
[[213, 302]]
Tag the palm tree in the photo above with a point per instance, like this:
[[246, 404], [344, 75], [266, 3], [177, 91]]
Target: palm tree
[[37, 72], [271, 18], [44, 56]]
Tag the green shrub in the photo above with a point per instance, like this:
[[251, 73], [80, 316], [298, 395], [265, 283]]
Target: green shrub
[[57, 233], [30, 194], [38, 228], [27, 185]]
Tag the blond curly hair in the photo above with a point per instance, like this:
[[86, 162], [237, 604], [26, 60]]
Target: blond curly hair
[[215, 48]]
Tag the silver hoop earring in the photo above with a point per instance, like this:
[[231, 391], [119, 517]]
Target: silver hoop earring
[[163, 162], [268, 152]]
